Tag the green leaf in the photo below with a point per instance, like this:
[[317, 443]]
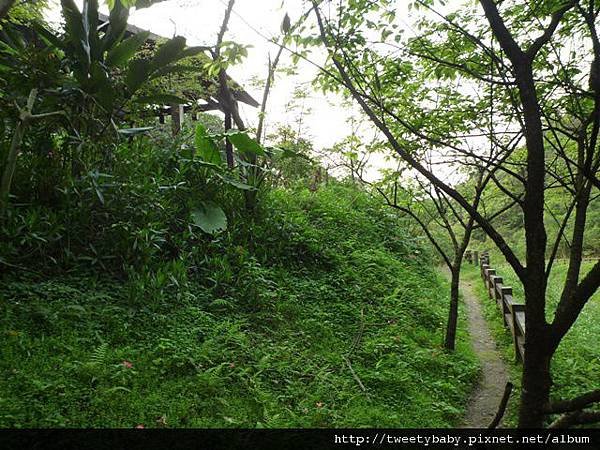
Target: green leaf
[[205, 146], [48, 35], [124, 51], [7, 49], [74, 28], [117, 388], [137, 74], [210, 218], [117, 23], [192, 51], [101, 87], [235, 183], [285, 153], [245, 143], [199, 162], [178, 69], [134, 131], [139, 4], [169, 52], [90, 26]]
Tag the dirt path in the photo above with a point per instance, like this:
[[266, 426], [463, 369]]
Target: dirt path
[[486, 397]]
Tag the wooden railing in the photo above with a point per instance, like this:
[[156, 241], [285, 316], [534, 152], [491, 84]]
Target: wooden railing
[[513, 312]]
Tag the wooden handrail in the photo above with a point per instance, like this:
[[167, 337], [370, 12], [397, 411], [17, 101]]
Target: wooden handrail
[[513, 313]]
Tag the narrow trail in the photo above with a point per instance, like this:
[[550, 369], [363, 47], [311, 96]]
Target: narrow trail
[[486, 397]]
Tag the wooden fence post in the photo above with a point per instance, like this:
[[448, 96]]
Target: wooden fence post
[[518, 318], [497, 284], [489, 273], [485, 257], [484, 268], [505, 294]]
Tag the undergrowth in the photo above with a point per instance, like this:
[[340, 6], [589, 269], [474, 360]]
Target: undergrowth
[[323, 312]]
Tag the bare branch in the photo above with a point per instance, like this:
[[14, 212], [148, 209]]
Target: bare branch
[[574, 404], [549, 31], [223, 28], [576, 418], [502, 407]]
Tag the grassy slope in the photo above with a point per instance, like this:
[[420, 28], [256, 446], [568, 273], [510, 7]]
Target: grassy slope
[[256, 337], [577, 361]]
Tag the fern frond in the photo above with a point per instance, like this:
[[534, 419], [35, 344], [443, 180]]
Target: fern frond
[[98, 356]]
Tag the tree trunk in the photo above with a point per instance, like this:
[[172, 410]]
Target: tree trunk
[[450, 339], [459, 252], [11, 164], [266, 92], [536, 378]]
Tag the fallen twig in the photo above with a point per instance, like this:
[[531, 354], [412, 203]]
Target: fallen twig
[[502, 407], [362, 386]]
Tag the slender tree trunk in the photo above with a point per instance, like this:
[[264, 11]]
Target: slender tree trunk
[[536, 380], [450, 339], [11, 164], [265, 97], [451, 325], [228, 146]]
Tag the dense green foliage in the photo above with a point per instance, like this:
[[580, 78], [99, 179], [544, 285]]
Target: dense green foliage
[[255, 332]]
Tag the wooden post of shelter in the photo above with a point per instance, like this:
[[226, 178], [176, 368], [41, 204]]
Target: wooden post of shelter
[[228, 146], [175, 119]]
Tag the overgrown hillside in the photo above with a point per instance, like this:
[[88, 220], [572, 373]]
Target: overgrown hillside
[[323, 312]]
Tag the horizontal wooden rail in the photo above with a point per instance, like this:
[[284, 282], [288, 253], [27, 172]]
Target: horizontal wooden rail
[[513, 312]]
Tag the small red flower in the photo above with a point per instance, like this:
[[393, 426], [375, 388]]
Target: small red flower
[[127, 364]]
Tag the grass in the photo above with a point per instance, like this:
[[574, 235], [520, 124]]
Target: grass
[[577, 361], [267, 335]]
